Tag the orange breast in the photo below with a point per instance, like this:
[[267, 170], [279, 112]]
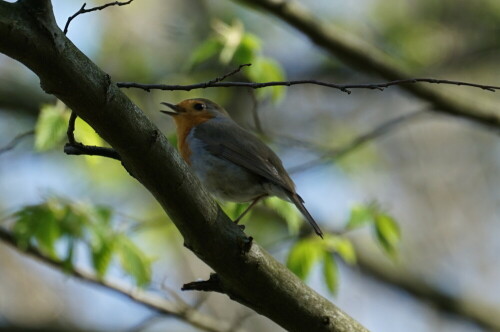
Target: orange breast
[[184, 124]]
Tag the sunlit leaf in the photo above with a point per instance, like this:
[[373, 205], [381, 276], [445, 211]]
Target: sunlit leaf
[[265, 69], [208, 49], [247, 50], [39, 223], [231, 36], [234, 210], [340, 245], [330, 272], [133, 261], [388, 233], [288, 212], [51, 126], [102, 255], [302, 257], [361, 215], [346, 250]]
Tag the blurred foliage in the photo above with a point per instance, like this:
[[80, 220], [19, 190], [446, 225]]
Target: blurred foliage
[[307, 252], [385, 227], [234, 46], [436, 33], [57, 225], [51, 126]]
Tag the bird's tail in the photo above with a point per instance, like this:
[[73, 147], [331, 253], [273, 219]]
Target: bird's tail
[[299, 203]]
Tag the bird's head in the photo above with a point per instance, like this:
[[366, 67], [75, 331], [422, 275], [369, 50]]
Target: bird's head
[[191, 112]]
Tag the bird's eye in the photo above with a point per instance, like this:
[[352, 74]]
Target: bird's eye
[[199, 106]]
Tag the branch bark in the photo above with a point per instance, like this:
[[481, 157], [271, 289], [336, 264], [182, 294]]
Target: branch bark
[[369, 59], [246, 272]]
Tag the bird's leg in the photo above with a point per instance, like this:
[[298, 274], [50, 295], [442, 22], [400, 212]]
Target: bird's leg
[[255, 201]]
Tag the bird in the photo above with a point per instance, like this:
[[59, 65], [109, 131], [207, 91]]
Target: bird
[[232, 163]]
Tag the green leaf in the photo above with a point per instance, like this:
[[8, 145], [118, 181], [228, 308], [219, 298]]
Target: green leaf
[[302, 257], [330, 272], [37, 222], [346, 250], [360, 216], [230, 36], [388, 233], [288, 212], [205, 51], [234, 210], [133, 261], [265, 69], [51, 126], [247, 49], [102, 255], [340, 245]]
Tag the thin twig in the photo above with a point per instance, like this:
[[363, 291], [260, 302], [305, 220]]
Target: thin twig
[[79, 149], [73, 147], [71, 128], [16, 140], [212, 83], [83, 11], [148, 299], [381, 130], [342, 87], [231, 73]]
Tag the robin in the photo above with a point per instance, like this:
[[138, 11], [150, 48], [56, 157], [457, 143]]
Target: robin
[[231, 162]]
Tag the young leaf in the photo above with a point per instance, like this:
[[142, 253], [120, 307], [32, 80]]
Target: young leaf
[[205, 51], [302, 257], [346, 250], [51, 126], [388, 233], [330, 272], [101, 256], [265, 69], [247, 50], [288, 212], [37, 222], [340, 245], [133, 261], [234, 210], [360, 216]]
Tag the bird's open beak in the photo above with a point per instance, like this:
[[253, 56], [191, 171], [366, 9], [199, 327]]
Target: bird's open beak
[[175, 108]]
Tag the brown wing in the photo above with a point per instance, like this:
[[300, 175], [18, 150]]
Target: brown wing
[[225, 139]]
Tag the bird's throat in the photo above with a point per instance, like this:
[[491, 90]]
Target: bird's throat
[[184, 126]]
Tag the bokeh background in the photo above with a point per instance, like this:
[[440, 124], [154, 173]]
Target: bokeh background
[[437, 175]]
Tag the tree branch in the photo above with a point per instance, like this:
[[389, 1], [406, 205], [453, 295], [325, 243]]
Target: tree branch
[[16, 140], [246, 271], [215, 83], [76, 148], [148, 299], [369, 59], [83, 11]]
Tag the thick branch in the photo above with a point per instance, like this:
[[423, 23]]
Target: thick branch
[[148, 299], [369, 59], [247, 272]]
